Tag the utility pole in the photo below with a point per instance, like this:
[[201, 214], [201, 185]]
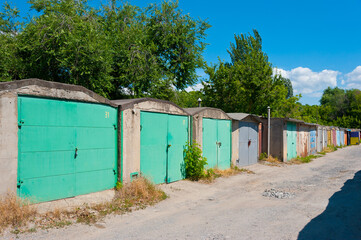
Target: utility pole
[[269, 131]]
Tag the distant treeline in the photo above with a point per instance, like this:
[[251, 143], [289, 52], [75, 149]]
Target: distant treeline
[[122, 51]]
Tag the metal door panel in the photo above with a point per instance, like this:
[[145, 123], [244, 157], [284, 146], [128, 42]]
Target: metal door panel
[[253, 137], [96, 149], [329, 137], [50, 132], [338, 143], [48, 188], [312, 141], [96, 116], [39, 164], [177, 139], [95, 138], [153, 146], [243, 143], [46, 139], [46, 112], [91, 181], [224, 147], [46, 151], [88, 160], [291, 140], [319, 139], [209, 145]]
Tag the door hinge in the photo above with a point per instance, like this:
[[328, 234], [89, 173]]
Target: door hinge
[[19, 183], [115, 126], [141, 127], [115, 172], [20, 123]]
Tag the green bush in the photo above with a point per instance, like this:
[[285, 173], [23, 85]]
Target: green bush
[[263, 156], [194, 162]]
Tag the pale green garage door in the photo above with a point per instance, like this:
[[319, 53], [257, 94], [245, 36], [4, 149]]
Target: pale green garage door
[[66, 148], [217, 142], [291, 140], [163, 138]]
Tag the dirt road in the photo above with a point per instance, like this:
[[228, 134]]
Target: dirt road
[[323, 202]]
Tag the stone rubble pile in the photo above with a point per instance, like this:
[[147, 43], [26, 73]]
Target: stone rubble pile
[[276, 193]]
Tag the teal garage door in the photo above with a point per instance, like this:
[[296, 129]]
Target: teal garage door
[[66, 148], [217, 142], [291, 140], [163, 138]]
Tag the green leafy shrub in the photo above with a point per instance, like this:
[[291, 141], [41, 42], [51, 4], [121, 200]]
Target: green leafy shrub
[[194, 162], [263, 156]]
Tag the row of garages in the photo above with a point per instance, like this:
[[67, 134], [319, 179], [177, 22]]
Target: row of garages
[[291, 138], [59, 140]]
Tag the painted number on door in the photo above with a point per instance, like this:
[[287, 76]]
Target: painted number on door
[[106, 114]]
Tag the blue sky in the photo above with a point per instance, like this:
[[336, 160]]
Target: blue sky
[[314, 43]]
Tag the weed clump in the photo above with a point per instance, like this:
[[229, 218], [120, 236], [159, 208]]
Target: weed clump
[[18, 215], [300, 160], [270, 160], [194, 162], [214, 173], [14, 212]]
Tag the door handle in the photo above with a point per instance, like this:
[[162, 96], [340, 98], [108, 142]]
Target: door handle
[[76, 152], [249, 142], [169, 145]]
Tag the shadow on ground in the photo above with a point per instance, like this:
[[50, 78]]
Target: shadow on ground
[[342, 217]]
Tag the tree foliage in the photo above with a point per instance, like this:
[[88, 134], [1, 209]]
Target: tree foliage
[[118, 50], [247, 83]]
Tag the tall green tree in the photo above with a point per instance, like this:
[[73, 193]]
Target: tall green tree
[[66, 43], [246, 84], [117, 50], [9, 29]]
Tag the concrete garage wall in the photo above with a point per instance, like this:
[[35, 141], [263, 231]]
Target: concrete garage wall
[[130, 143], [235, 141], [8, 142], [130, 125], [9, 92]]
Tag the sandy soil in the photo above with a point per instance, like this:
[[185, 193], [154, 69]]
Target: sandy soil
[[325, 203]]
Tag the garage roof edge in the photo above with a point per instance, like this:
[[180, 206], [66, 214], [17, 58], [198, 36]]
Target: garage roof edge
[[124, 104], [197, 110], [6, 86]]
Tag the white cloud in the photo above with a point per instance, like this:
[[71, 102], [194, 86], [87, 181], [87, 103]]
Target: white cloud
[[353, 79], [196, 87], [309, 83]]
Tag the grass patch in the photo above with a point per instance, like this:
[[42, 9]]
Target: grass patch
[[21, 217], [214, 173], [271, 161], [14, 212], [301, 160]]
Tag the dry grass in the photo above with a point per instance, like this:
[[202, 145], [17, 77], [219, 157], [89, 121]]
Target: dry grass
[[271, 161], [329, 149], [21, 217], [212, 174], [14, 212], [232, 171]]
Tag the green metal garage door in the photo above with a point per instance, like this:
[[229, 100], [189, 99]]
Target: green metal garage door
[[217, 142], [291, 140], [65, 148], [163, 138]]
